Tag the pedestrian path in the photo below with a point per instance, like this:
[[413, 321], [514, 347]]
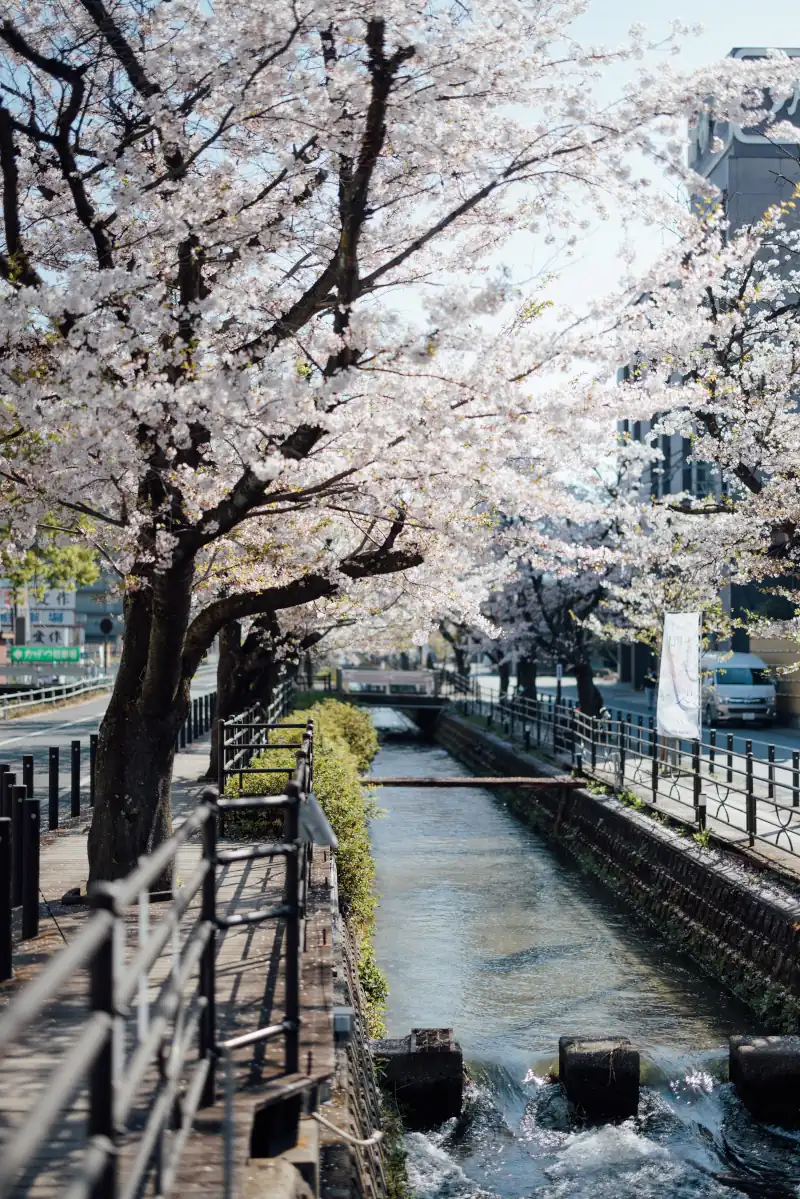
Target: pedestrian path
[[249, 995]]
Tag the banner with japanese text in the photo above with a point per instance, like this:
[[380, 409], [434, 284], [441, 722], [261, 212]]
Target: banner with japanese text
[[679, 703]]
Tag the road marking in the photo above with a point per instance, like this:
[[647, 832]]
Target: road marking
[[53, 728]]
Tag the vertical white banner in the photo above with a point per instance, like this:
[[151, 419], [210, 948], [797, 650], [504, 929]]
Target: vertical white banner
[[678, 712]]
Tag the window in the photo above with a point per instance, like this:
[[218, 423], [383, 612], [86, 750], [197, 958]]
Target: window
[[743, 676]]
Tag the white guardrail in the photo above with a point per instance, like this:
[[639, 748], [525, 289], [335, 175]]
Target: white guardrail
[[18, 701]]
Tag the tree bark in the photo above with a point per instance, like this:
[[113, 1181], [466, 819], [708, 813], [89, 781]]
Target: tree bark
[[526, 676], [589, 697], [504, 670], [136, 743]]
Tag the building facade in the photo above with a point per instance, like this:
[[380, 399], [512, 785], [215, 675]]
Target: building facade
[[753, 173]]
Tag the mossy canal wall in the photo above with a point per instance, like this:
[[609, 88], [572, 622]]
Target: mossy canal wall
[[741, 928]]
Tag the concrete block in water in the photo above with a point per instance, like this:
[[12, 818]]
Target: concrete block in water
[[424, 1073], [766, 1074], [600, 1076]]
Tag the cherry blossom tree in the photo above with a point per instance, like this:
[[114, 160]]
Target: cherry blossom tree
[[715, 331], [243, 319]]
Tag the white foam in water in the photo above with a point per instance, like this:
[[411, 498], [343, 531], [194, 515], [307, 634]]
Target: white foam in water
[[604, 1149], [432, 1173]]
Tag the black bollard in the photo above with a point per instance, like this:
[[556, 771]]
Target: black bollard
[[27, 773], [93, 739], [8, 779], [75, 779], [30, 869], [18, 797], [52, 786], [6, 971]]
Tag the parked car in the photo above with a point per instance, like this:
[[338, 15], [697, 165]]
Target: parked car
[[737, 687]]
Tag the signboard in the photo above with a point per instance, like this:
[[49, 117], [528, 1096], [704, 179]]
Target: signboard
[[53, 616], [56, 598], [678, 711], [45, 653], [47, 635]]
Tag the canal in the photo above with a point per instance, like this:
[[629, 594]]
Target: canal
[[482, 928]]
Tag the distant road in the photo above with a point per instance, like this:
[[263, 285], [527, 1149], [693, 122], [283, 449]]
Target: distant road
[[35, 734]]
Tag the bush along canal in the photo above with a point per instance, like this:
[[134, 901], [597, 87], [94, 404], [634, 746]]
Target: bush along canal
[[486, 927]]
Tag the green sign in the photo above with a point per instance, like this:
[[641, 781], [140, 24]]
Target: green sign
[[45, 653]]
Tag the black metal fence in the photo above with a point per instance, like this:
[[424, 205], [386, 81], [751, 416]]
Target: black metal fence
[[735, 785], [22, 816], [146, 1049]]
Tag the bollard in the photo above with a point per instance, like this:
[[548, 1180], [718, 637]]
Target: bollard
[[30, 869], [18, 797], [27, 773], [207, 702], [75, 779], [188, 726], [182, 736], [196, 711], [8, 779], [6, 970], [93, 739], [52, 786]]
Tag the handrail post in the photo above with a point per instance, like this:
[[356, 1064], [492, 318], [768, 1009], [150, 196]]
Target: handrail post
[[593, 742], [103, 1073], [208, 961], [795, 778], [770, 772], [696, 779], [622, 748], [712, 750], [653, 759], [750, 801], [291, 833], [729, 769]]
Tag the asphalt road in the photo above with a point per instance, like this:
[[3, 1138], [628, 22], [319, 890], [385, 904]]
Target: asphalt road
[[59, 727]]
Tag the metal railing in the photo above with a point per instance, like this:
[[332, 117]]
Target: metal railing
[[18, 701], [248, 733], [743, 793], [146, 1048]]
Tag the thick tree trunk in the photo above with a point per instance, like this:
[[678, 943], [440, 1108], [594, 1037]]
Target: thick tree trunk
[[136, 744], [526, 676], [505, 678], [228, 687], [589, 697]]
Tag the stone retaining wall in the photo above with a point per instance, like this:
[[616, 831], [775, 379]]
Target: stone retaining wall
[[739, 928]]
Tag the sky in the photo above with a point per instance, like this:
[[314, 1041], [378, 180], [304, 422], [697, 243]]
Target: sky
[[595, 267]]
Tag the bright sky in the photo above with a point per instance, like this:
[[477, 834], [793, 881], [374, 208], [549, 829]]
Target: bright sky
[[727, 23]]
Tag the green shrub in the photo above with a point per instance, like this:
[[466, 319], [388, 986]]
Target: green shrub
[[345, 743]]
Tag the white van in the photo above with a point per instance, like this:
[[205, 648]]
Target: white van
[[737, 687]]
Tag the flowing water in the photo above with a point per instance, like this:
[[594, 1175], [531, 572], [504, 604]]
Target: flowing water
[[483, 928]]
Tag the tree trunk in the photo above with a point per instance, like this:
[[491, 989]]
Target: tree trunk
[[228, 688], [136, 744], [505, 678], [526, 676], [589, 697]]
